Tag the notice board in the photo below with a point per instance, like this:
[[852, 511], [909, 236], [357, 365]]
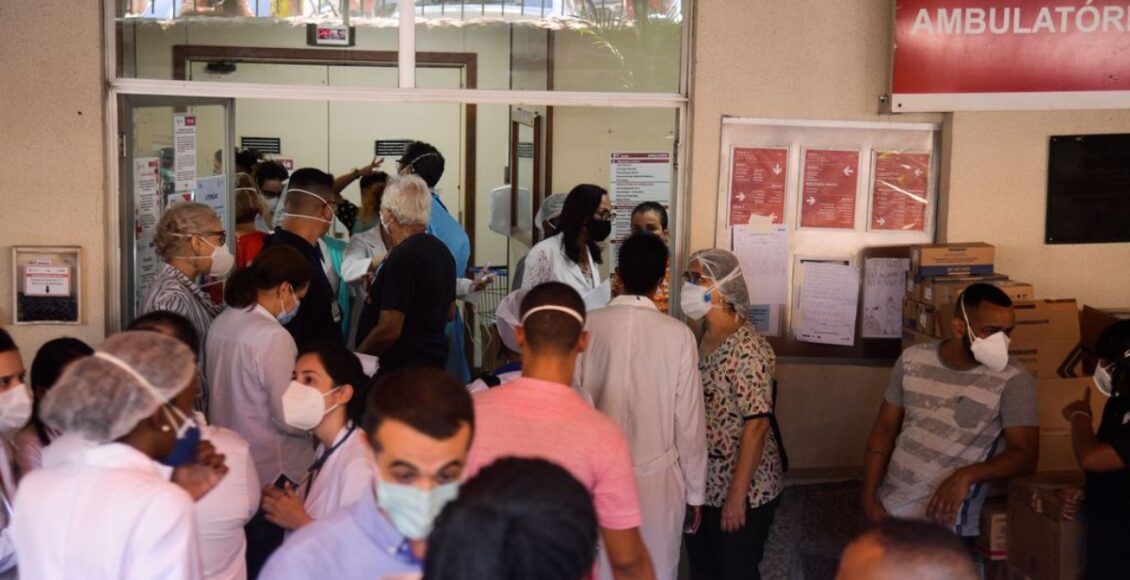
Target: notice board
[[1088, 189], [836, 192]]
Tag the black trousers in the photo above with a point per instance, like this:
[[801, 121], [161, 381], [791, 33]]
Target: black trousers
[[263, 538], [718, 555]]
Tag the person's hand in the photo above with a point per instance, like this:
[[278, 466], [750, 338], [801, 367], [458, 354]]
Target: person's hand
[[617, 285], [371, 168], [284, 508], [693, 520], [875, 511], [1081, 406], [948, 498], [204, 474], [1070, 498], [733, 514]]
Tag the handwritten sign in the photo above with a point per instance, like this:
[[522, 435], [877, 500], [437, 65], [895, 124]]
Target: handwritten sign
[[884, 286]]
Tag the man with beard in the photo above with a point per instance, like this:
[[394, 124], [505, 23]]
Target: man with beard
[[957, 414]]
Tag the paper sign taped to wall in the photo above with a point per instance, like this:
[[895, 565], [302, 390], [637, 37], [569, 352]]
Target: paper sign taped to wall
[[884, 287], [764, 257], [829, 299], [47, 281]]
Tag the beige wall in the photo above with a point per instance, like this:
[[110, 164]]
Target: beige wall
[[51, 113]]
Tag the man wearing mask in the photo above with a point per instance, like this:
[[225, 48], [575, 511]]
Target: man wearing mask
[[309, 213], [269, 179], [933, 445], [15, 410], [424, 160], [541, 415], [420, 424]]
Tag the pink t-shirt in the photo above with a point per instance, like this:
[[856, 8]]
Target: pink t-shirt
[[532, 418]]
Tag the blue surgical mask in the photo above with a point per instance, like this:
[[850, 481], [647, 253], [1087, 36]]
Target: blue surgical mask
[[188, 439], [412, 510], [285, 316]]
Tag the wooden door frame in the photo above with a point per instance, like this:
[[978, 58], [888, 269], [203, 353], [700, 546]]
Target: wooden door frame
[[468, 62]]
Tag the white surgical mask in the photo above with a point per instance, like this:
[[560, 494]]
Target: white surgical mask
[[412, 510], [272, 203], [1103, 380], [991, 351], [304, 406], [696, 301], [15, 408]]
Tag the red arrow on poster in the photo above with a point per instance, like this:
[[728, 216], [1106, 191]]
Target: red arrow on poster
[[757, 184], [898, 191], [829, 189]]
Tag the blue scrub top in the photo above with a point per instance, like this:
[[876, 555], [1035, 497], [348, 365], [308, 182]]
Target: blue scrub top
[[442, 225]]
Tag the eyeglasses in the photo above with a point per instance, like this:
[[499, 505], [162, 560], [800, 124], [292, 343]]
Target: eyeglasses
[[692, 277], [220, 234], [605, 214]]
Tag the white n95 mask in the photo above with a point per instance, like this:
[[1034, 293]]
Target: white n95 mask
[[304, 406], [695, 301], [1103, 380], [15, 408], [991, 351]]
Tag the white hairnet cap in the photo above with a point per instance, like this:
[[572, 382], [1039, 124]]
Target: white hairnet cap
[[102, 401], [550, 208], [723, 268], [507, 316]]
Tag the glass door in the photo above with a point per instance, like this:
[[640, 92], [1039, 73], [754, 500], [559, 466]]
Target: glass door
[[172, 149]]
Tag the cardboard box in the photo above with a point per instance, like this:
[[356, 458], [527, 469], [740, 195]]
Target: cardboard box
[[1035, 319], [939, 290], [1056, 358], [1056, 450], [918, 317], [1041, 544], [945, 259], [1092, 323], [992, 541]]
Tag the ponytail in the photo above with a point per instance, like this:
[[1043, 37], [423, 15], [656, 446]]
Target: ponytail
[[273, 266]]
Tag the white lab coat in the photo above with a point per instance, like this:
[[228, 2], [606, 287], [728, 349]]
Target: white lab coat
[[105, 512], [547, 262], [641, 368], [345, 477], [221, 515]]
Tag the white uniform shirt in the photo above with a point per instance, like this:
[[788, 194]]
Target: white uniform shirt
[[547, 262], [107, 512], [250, 364], [359, 254], [344, 478], [221, 515], [641, 368]]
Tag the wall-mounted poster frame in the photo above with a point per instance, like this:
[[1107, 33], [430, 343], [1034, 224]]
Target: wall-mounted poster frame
[[47, 285], [860, 241]]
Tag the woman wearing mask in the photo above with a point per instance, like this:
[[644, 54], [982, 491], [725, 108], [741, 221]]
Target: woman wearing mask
[[744, 467], [15, 408], [327, 397], [1105, 457], [573, 255], [250, 357], [50, 362], [249, 207], [192, 243], [106, 511]]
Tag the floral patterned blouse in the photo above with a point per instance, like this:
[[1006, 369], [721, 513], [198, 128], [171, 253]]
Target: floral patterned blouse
[[737, 382]]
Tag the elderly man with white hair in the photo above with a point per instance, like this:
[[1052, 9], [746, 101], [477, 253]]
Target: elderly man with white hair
[[413, 295]]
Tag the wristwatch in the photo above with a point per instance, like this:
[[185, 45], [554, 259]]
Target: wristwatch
[[355, 173]]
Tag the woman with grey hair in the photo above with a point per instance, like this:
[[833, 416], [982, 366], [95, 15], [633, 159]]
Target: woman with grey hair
[[192, 243], [105, 510], [745, 457]]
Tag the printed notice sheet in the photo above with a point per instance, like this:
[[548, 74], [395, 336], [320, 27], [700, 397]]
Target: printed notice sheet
[[763, 253], [884, 285], [829, 299]]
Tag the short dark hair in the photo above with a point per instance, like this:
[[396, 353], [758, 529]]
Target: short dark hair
[[373, 179], [247, 158], [49, 363], [518, 518], [580, 205], [975, 294], [425, 160], [428, 400], [274, 265], [311, 180], [1114, 346], [269, 170], [653, 207], [919, 546], [643, 263], [171, 323], [551, 331], [6, 342], [344, 368]]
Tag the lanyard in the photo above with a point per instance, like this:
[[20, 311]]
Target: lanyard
[[317, 465]]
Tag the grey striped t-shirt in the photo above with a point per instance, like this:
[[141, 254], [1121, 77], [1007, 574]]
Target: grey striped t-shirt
[[953, 418]]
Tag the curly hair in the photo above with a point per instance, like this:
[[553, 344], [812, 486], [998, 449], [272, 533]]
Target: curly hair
[[178, 222]]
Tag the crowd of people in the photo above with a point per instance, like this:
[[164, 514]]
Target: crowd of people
[[245, 438]]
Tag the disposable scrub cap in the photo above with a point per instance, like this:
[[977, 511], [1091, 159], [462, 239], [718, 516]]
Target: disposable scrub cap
[[722, 267], [550, 208], [507, 316], [101, 401]]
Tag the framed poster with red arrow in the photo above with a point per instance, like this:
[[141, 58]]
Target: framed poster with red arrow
[[829, 184], [899, 191], [757, 183]]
